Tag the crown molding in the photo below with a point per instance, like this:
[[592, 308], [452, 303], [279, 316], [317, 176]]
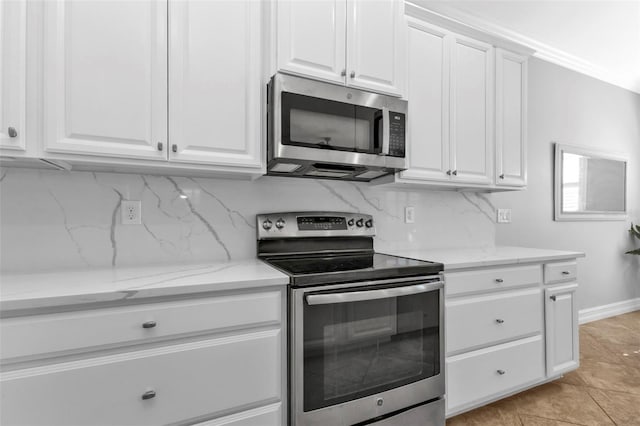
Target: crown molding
[[469, 24]]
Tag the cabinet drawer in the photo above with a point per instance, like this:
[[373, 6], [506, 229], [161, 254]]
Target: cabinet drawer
[[34, 336], [476, 376], [458, 283], [189, 380], [560, 272], [483, 320], [271, 415]]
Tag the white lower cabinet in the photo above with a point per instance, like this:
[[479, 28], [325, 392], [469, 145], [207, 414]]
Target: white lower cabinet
[[478, 375], [506, 331], [195, 375], [561, 324]]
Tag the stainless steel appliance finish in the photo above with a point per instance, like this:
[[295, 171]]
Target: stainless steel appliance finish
[[366, 330], [318, 135]]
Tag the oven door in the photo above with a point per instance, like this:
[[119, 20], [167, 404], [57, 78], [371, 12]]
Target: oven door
[[361, 351]]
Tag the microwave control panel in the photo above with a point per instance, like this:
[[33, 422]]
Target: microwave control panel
[[397, 127]]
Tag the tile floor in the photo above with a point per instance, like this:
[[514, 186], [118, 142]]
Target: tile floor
[[605, 390]]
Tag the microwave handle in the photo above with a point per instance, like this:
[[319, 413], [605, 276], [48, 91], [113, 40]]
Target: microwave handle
[[385, 131], [385, 293]]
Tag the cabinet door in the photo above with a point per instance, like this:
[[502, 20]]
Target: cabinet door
[[428, 89], [376, 45], [215, 83], [105, 86], [12, 75], [471, 111], [561, 326], [311, 38], [511, 116]]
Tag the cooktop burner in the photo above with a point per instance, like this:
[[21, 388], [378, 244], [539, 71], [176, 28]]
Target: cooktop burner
[[333, 268], [329, 248]]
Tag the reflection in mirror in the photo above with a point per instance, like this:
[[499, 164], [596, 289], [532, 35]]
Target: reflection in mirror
[[589, 185]]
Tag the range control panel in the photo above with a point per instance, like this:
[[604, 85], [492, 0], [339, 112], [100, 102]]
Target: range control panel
[[314, 224]]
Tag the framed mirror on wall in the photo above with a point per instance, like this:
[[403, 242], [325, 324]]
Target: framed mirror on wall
[[589, 185]]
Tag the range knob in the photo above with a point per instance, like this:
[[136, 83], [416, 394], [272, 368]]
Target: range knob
[[280, 223], [351, 222], [369, 223], [359, 223], [267, 224]]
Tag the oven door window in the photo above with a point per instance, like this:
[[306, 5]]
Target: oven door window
[[326, 124], [356, 349]]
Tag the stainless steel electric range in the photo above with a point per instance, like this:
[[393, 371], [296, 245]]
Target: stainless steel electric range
[[365, 329]]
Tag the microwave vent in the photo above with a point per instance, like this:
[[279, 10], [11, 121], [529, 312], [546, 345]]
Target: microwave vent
[[285, 167]]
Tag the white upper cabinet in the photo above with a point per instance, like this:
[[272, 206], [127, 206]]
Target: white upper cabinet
[[215, 86], [12, 75], [511, 119], [359, 43], [450, 90], [105, 78], [311, 38], [376, 45], [471, 111], [428, 82]]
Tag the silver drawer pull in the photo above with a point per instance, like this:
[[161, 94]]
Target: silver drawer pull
[[501, 372], [553, 297], [500, 321], [149, 394], [148, 324], [12, 132], [566, 273], [499, 280]]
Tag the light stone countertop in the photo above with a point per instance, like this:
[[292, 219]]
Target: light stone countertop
[[72, 287], [463, 258], [48, 289]]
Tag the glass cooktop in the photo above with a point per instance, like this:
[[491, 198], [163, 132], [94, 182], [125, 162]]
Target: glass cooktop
[[305, 270]]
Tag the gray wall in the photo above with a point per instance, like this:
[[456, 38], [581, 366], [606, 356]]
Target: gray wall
[[574, 109]]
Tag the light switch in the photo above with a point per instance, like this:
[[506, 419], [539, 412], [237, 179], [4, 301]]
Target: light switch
[[504, 215]]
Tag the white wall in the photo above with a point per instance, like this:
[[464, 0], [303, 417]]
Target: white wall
[[570, 108], [51, 219]]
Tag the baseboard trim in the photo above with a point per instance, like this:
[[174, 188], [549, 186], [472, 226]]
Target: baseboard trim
[[606, 311]]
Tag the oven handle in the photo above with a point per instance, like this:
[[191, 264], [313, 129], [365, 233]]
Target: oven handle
[[384, 293]]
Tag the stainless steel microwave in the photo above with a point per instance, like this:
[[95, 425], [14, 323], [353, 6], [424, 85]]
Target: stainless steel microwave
[[322, 130]]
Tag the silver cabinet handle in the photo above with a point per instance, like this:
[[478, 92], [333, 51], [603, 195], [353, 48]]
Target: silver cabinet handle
[[353, 74], [149, 394], [174, 147], [499, 280], [455, 173], [343, 73], [160, 146], [566, 273], [500, 321], [149, 324], [501, 372], [12, 132], [385, 293], [553, 297], [448, 172], [502, 176]]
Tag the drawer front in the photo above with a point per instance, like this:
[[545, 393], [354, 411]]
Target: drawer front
[[477, 376], [189, 380], [458, 283], [35, 336], [482, 320], [271, 415], [560, 272]]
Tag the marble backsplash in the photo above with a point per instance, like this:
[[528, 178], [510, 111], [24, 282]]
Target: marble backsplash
[[54, 220]]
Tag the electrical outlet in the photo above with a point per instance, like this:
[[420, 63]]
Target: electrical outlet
[[409, 214], [504, 215], [131, 212]]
